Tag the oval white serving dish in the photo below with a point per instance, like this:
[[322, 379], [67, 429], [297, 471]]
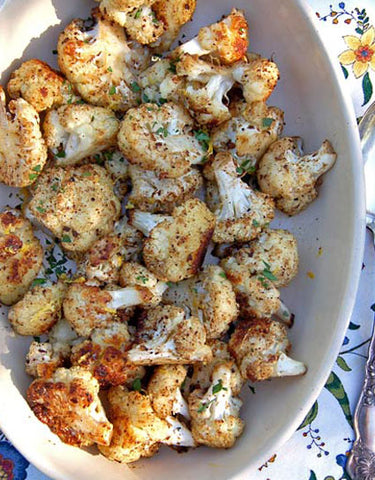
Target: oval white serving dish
[[315, 109]]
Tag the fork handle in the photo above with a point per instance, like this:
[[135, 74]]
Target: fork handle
[[361, 461]]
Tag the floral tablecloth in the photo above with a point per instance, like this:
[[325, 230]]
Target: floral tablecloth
[[318, 450]]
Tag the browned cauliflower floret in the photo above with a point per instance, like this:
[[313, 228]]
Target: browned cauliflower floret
[[242, 212], [176, 245], [164, 390], [226, 40], [214, 413], [95, 56], [154, 194], [118, 167], [257, 76], [249, 133], [105, 257], [23, 151], [165, 336], [38, 310], [160, 139], [291, 177], [76, 204], [142, 25], [74, 132], [260, 347], [210, 297], [87, 307], [21, 256], [274, 250], [104, 355], [69, 404], [42, 87], [173, 14], [255, 292], [137, 430], [133, 274]]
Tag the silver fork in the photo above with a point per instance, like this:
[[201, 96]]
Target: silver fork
[[361, 461]]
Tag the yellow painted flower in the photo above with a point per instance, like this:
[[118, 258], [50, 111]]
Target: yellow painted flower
[[361, 52]]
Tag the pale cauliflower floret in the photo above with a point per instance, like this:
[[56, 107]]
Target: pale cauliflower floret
[[74, 132], [257, 76], [23, 152], [76, 204], [260, 347], [249, 133], [21, 256], [101, 64], [38, 310], [291, 177], [176, 246], [206, 88], [104, 355], [226, 40], [134, 274], [104, 259], [160, 139], [209, 296], [137, 430], [142, 25], [69, 404], [214, 414], [155, 194], [173, 14], [42, 360], [39, 85], [275, 250], [242, 212], [165, 337], [87, 307], [118, 167], [255, 292], [164, 389]]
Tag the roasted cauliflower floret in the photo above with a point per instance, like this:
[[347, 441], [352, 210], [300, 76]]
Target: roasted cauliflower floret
[[104, 259], [164, 390], [143, 26], [76, 204], [255, 292], [118, 167], [21, 256], [42, 360], [249, 133], [74, 132], [69, 404], [87, 307], [205, 89], [291, 177], [173, 14], [133, 274], [154, 194], [226, 40], [214, 414], [257, 76], [165, 336], [176, 245], [274, 250], [210, 297], [40, 86], [137, 430], [23, 152], [97, 59], [160, 139], [104, 355], [260, 347], [242, 212], [38, 310]]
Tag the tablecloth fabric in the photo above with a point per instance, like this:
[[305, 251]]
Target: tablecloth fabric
[[319, 448]]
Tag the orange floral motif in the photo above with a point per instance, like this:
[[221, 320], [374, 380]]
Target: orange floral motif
[[361, 52]]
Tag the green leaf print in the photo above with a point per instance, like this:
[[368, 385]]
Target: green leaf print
[[310, 417], [335, 386], [312, 476], [345, 71], [343, 365], [367, 89]]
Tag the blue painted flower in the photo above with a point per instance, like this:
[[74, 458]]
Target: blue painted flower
[[342, 5], [341, 460], [12, 464]]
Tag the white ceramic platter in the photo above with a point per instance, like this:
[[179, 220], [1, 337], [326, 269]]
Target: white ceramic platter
[[315, 108]]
